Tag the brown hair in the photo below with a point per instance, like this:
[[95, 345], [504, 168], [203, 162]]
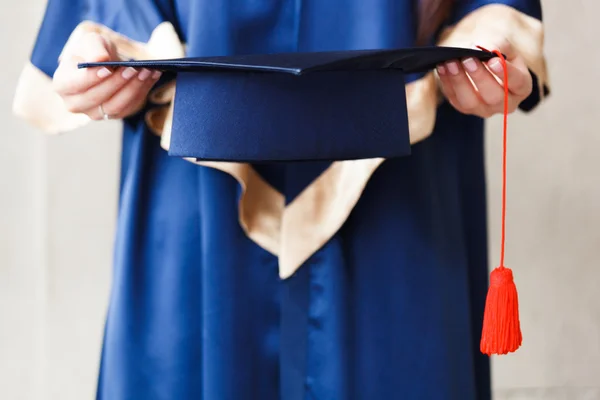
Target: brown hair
[[431, 15]]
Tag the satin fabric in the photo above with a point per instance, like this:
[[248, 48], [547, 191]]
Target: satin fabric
[[389, 308]]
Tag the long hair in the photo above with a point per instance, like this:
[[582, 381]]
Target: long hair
[[431, 14]]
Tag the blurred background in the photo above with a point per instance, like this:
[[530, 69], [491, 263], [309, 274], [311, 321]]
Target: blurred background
[[58, 204]]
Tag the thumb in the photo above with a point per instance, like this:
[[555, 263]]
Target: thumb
[[93, 47], [501, 44]]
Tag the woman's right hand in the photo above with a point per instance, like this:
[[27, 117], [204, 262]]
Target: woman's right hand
[[100, 92]]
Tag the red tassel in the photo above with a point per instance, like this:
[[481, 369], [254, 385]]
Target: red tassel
[[501, 327]]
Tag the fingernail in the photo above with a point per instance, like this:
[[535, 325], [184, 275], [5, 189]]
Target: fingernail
[[452, 67], [144, 74], [103, 72], [470, 64], [441, 70], [129, 73], [495, 65], [156, 74]]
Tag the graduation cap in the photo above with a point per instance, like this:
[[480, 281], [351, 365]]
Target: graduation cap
[[324, 106], [318, 106]]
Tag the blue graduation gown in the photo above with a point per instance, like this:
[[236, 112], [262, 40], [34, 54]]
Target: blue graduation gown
[[389, 308]]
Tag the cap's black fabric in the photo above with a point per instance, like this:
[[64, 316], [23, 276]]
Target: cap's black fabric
[[295, 106]]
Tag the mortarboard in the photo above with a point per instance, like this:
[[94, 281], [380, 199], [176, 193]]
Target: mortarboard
[[324, 106], [319, 106]]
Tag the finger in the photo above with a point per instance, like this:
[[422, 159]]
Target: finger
[[520, 82], [446, 85], [70, 79], [135, 103], [513, 103], [132, 104], [100, 93], [488, 87], [519, 79], [503, 45], [466, 96], [132, 96]]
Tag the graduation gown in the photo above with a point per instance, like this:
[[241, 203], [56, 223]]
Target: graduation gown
[[346, 280]]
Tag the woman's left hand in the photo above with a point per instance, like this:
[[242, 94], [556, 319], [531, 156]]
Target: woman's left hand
[[485, 96]]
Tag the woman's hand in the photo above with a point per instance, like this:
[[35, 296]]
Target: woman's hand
[[100, 92], [485, 96]]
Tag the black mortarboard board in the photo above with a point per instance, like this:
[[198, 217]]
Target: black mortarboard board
[[339, 105]]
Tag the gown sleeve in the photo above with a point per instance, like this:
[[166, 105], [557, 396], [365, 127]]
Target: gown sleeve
[[517, 21], [138, 28]]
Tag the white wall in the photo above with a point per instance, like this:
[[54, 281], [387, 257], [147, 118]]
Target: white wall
[[58, 206], [58, 202], [554, 217]]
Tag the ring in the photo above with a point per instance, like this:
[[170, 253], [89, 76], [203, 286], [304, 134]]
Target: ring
[[105, 116]]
